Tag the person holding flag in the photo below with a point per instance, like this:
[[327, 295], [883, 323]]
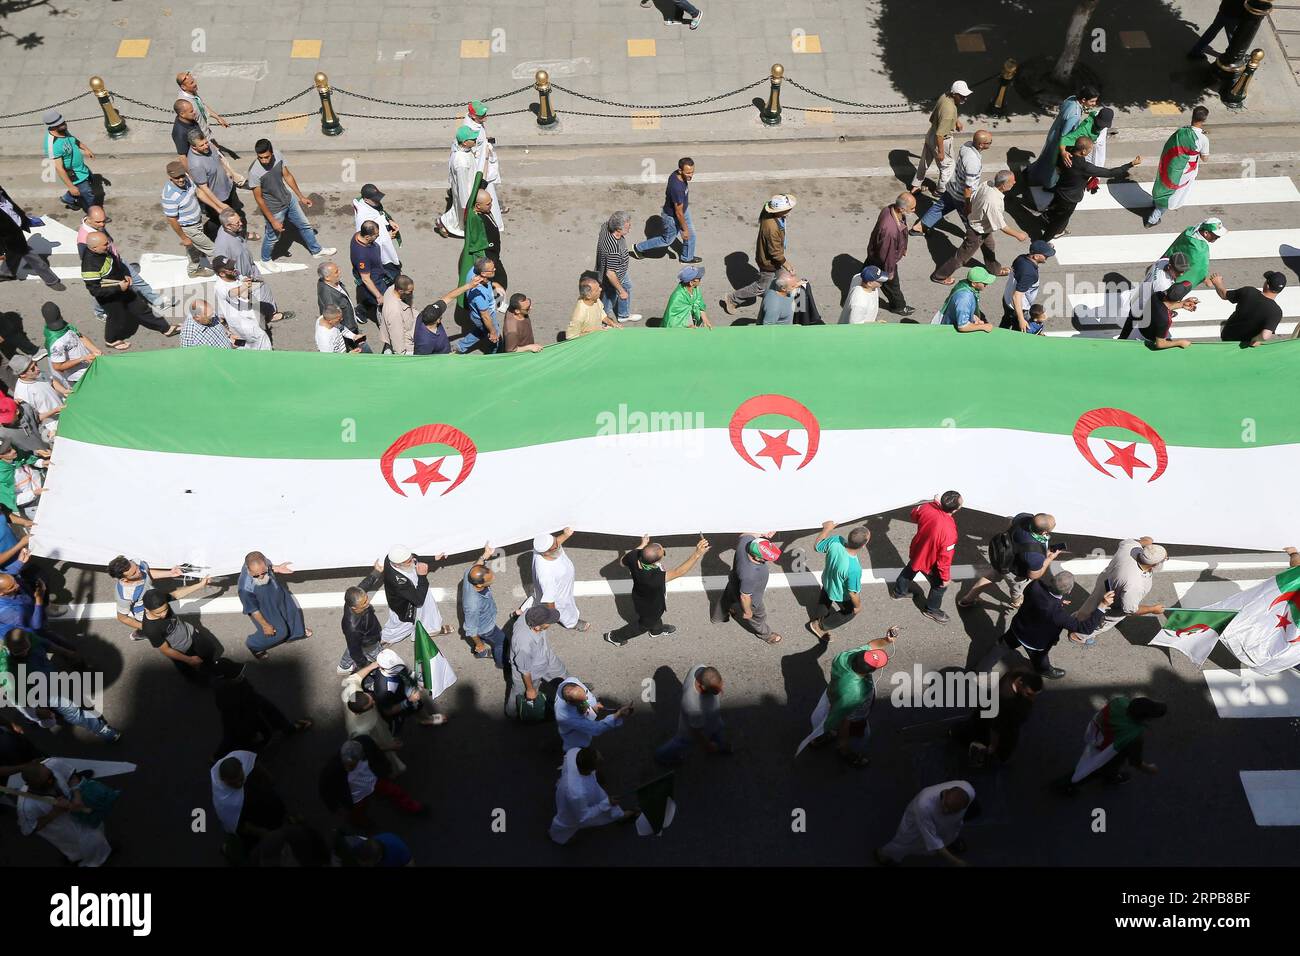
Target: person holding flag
[[399, 693], [580, 798], [848, 697], [485, 151], [1180, 161], [461, 170], [1194, 242], [1113, 738], [406, 589], [1044, 169], [962, 307]]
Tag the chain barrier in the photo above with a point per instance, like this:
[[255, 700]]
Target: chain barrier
[[276, 105], [429, 106], [42, 109], [892, 107], [75, 119], [660, 106], [440, 119]]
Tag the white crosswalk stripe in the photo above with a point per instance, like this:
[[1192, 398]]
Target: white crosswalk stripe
[[1274, 796], [1238, 694], [1146, 248], [1203, 192]]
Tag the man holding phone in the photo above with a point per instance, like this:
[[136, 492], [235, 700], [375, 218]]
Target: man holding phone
[[1022, 553], [1130, 575]]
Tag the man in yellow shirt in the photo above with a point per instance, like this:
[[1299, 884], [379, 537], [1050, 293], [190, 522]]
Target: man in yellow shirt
[[588, 314]]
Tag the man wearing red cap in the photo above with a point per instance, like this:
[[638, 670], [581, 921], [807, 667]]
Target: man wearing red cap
[[931, 551], [743, 597], [848, 697]]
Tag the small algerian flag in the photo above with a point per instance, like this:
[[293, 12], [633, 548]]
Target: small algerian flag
[[431, 666], [1259, 626], [1194, 632], [657, 805]]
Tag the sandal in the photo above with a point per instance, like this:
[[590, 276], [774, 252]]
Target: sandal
[[120, 346], [484, 652], [1085, 642], [173, 330], [774, 639], [446, 629], [948, 281], [812, 629], [582, 625], [300, 725], [260, 655]]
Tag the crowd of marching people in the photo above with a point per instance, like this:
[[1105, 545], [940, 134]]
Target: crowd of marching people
[[233, 216]]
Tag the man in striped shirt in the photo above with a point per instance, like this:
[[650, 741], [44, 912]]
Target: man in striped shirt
[[180, 204], [611, 267], [203, 327], [965, 180]]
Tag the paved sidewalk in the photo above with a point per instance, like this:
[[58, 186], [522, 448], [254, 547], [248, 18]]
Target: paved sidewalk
[[879, 52]]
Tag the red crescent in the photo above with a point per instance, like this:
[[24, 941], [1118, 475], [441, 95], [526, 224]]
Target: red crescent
[[1287, 596], [1089, 422], [752, 408], [1170, 154], [437, 434], [1191, 629]]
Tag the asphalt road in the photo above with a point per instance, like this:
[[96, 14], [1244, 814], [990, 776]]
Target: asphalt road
[[736, 810]]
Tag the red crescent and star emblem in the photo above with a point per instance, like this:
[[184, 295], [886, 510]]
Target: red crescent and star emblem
[[1123, 456], [776, 446], [428, 474], [1192, 629], [1172, 154], [1289, 613]]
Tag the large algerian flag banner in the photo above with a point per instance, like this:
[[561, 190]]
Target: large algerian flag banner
[[720, 429], [1179, 164], [431, 668], [1259, 626]]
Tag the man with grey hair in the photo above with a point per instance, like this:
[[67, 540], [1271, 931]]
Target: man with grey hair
[[1128, 579], [481, 306], [330, 290], [1045, 613], [778, 300], [987, 217], [397, 317], [588, 314], [611, 266], [886, 248], [202, 327], [330, 336], [216, 190], [230, 245], [355, 774], [961, 188]]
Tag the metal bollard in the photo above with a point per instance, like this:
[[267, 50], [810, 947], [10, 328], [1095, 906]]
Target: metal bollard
[[998, 105], [771, 114], [1234, 91], [545, 114], [329, 120], [113, 122]]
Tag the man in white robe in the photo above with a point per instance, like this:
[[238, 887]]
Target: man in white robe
[[50, 812], [486, 154], [931, 824], [553, 578], [580, 800], [460, 175], [409, 597], [239, 305]]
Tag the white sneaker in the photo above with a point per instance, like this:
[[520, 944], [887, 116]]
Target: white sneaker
[[695, 24], [634, 317], [326, 252]]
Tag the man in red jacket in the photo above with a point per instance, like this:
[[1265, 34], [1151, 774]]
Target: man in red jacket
[[931, 551]]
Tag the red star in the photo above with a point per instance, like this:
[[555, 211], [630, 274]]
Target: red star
[[1125, 457], [1283, 621], [425, 475], [776, 447]]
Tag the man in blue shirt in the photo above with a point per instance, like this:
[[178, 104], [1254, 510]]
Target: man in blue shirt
[[675, 216], [962, 307], [481, 304], [480, 609], [1022, 285]]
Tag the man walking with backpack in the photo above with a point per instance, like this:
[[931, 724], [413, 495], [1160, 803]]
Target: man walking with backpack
[[1018, 555]]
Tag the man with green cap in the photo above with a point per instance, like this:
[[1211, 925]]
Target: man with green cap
[[485, 151], [962, 307], [1194, 242], [461, 170]]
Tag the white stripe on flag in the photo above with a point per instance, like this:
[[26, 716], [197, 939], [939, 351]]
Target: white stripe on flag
[[1274, 796], [1203, 192], [1247, 694], [1205, 593], [1146, 248]]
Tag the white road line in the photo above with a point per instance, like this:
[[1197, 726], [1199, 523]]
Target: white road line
[[1148, 247], [1274, 796], [1203, 192], [1239, 694], [165, 271], [53, 239], [600, 588], [1100, 305]]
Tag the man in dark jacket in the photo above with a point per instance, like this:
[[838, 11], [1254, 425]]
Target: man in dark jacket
[[1044, 614], [355, 774], [406, 588], [1072, 182], [886, 248], [997, 733], [248, 720], [361, 629], [330, 290], [769, 252], [14, 225], [109, 282]]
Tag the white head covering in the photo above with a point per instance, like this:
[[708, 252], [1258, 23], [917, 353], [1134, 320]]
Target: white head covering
[[389, 660], [543, 543], [400, 555]]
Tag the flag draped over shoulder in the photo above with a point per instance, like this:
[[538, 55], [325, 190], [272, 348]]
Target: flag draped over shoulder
[[432, 670], [1191, 244], [1179, 164], [1259, 626], [476, 240]]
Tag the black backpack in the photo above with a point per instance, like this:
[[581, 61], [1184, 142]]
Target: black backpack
[[1002, 552]]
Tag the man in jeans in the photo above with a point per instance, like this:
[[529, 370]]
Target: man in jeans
[[70, 157], [931, 552], [675, 216], [481, 304], [480, 609], [687, 8], [280, 200], [1228, 19], [840, 599], [611, 266], [965, 180]]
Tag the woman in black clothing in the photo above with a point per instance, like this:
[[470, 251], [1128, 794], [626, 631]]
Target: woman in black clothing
[[1071, 184]]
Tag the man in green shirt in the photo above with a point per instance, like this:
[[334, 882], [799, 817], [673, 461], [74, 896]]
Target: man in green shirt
[[69, 158], [840, 600], [685, 308], [848, 697]]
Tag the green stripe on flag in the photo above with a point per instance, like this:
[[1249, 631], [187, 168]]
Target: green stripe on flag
[[1185, 621], [304, 405]]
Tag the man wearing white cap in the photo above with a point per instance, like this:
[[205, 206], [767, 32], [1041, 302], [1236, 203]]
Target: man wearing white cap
[[553, 577], [1194, 242], [406, 588], [1129, 575], [769, 252], [397, 692], [938, 141]]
